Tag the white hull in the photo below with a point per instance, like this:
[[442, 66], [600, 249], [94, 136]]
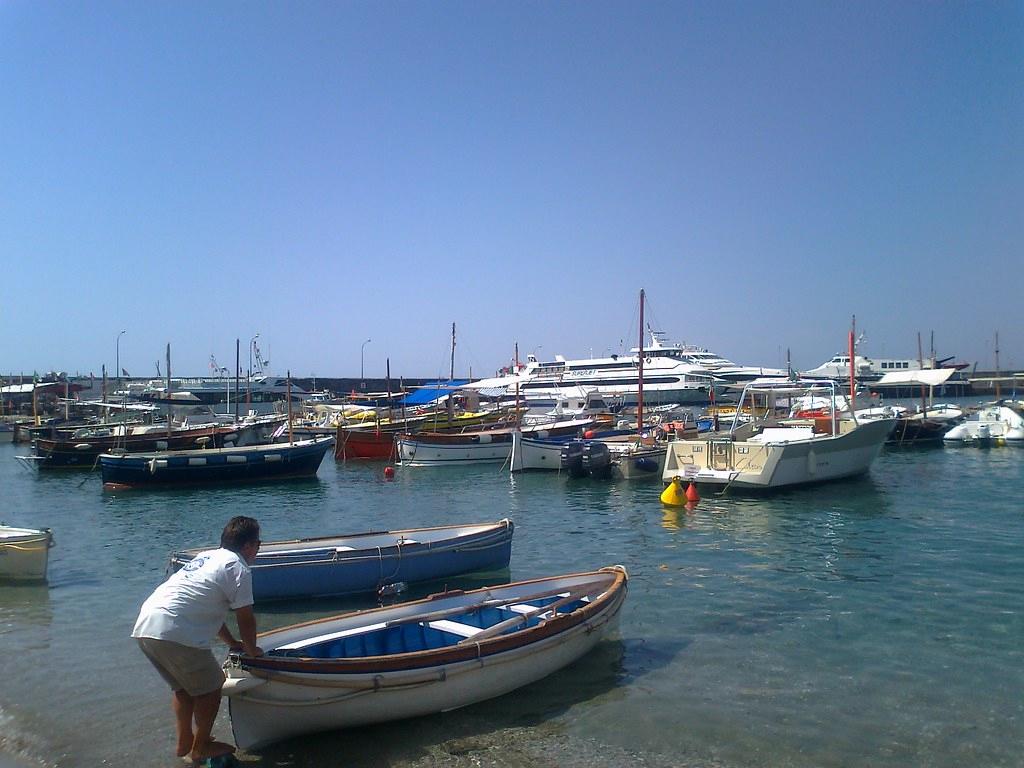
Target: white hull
[[804, 458], [278, 710], [531, 454], [417, 453], [24, 553], [993, 425]]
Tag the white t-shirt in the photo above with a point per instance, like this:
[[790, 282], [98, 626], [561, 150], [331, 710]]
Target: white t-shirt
[[190, 607]]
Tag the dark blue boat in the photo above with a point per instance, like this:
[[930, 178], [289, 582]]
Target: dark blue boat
[[364, 562], [240, 464]]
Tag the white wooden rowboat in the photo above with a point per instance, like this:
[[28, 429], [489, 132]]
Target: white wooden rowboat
[[24, 553], [418, 658]]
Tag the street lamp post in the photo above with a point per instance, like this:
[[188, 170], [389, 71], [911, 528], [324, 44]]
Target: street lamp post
[[362, 383], [117, 358]]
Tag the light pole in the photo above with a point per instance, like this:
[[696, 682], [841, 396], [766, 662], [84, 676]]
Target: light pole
[[362, 384], [117, 357]]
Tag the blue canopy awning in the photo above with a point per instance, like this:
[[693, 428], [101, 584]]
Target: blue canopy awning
[[433, 390]]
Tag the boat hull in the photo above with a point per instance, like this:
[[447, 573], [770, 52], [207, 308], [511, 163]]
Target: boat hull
[[24, 553], [364, 563], [364, 444], [432, 449], [271, 704], [82, 453], [278, 461]]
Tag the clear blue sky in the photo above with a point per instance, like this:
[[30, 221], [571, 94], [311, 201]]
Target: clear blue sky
[[327, 173]]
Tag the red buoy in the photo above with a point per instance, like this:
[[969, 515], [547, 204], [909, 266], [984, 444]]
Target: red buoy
[[691, 492], [389, 472], [589, 434]]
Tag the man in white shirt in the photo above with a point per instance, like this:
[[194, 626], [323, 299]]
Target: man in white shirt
[[178, 622]]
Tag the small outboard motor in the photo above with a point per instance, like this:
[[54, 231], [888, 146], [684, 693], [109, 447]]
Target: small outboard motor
[[597, 459], [571, 459]]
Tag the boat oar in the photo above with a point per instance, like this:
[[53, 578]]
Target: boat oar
[[444, 613], [501, 626]]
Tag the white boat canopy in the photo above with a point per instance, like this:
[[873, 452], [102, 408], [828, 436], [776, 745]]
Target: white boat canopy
[[929, 377]]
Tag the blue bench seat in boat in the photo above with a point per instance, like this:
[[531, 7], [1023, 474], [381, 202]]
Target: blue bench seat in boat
[[380, 640]]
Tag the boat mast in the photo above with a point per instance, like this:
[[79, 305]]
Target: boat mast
[[997, 366], [640, 380], [291, 438], [853, 377], [920, 365], [237, 363], [168, 389], [451, 370]]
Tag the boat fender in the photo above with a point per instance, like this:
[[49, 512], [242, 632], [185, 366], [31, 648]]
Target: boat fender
[[233, 685], [82, 447]]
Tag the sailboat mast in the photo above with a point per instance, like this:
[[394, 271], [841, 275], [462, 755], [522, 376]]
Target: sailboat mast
[[640, 379], [451, 370], [853, 376], [998, 394], [168, 389], [291, 438]]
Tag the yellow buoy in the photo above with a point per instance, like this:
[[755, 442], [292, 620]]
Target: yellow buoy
[[674, 495]]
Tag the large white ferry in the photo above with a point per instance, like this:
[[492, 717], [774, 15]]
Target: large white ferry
[[672, 373]]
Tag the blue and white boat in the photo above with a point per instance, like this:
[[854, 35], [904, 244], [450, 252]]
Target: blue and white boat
[[366, 562], [238, 464], [418, 658]]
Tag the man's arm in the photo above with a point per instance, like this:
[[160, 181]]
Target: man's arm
[[247, 629]]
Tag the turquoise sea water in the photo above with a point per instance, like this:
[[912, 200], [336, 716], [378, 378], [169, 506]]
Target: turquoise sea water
[[874, 622]]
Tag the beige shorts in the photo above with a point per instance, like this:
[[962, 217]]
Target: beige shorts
[[193, 670]]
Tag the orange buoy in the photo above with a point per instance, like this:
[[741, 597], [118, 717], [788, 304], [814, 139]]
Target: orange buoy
[[691, 492], [589, 434], [389, 472]]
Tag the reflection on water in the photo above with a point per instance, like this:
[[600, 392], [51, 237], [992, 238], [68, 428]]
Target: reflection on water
[[24, 606]]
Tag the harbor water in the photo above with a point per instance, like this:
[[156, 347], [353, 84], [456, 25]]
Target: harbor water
[[876, 621]]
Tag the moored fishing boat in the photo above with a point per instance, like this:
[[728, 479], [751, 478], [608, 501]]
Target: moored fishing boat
[[426, 449], [272, 461], [772, 450], [418, 658], [82, 448], [365, 562], [24, 553]]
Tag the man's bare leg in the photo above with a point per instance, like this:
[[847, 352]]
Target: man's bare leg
[[204, 710], [183, 713]]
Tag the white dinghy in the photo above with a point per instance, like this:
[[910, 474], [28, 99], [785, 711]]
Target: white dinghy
[[24, 553]]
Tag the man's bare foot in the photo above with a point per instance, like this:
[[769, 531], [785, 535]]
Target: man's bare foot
[[210, 749], [184, 747]]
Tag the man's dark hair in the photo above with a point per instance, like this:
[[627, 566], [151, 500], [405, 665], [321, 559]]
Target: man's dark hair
[[239, 532]]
